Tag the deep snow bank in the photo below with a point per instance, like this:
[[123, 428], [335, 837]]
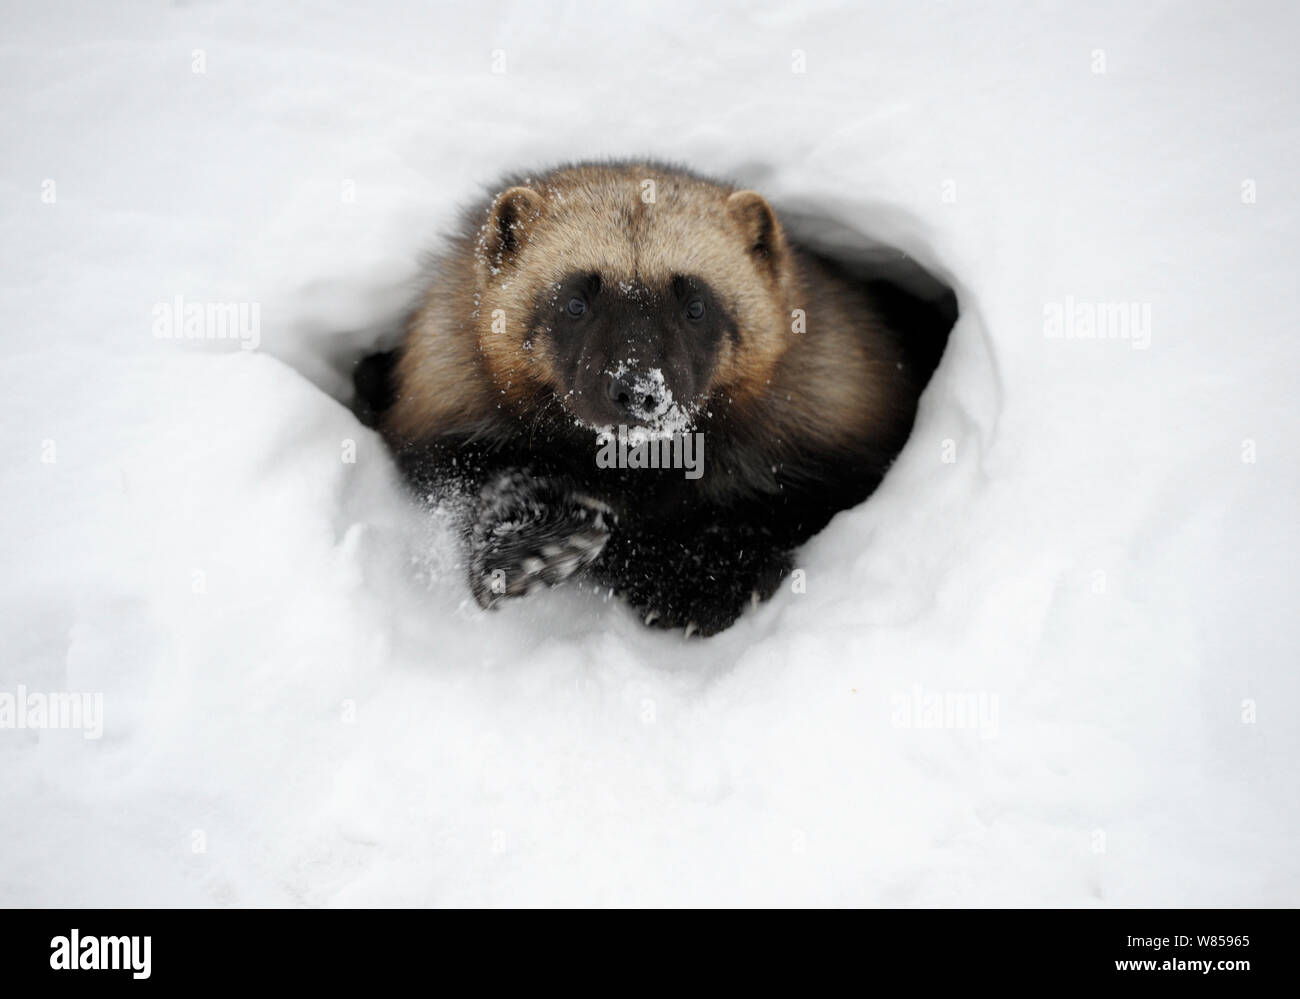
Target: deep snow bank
[[1049, 662]]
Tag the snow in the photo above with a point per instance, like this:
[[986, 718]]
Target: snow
[[1050, 662], [667, 420]]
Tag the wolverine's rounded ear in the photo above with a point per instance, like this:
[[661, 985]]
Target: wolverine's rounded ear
[[512, 215], [758, 225]]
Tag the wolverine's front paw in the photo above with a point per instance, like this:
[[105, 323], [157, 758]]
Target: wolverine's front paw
[[700, 618], [529, 530], [702, 592]]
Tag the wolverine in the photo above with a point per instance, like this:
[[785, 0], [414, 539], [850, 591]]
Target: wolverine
[[603, 302]]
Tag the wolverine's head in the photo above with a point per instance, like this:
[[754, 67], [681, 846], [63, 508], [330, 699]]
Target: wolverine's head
[[629, 294]]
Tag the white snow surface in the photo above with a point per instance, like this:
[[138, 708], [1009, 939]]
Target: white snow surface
[[303, 706]]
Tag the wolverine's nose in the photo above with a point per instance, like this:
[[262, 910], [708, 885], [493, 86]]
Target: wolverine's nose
[[635, 395]]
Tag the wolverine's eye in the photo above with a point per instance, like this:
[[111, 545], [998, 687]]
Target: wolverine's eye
[[695, 310], [577, 307]]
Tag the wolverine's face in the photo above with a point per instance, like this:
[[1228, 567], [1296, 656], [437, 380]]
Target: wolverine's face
[[617, 310], [632, 352]]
